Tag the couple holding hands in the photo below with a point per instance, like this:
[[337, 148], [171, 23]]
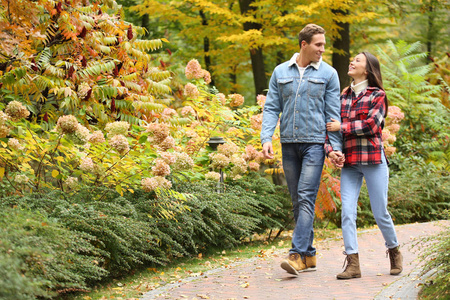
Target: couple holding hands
[[317, 121]]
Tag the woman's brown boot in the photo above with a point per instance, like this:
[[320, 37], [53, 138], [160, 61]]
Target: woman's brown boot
[[352, 269], [396, 259]]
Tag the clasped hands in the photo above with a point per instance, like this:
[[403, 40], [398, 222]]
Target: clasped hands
[[336, 157]]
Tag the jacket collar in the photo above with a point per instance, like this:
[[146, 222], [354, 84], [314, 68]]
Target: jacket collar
[[314, 64]]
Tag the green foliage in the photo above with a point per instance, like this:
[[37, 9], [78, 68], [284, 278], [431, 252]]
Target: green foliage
[[425, 129], [43, 256], [71, 241], [436, 254]]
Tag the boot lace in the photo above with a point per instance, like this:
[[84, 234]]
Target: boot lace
[[346, 260]]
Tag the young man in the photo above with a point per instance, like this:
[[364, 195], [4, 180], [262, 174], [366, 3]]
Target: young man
[[305, 91]]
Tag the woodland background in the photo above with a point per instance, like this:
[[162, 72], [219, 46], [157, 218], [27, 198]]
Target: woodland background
[[107, 108]]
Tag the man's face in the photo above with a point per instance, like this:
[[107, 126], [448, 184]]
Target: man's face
[[314, 50]]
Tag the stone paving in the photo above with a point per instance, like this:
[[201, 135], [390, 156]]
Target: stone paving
[[262, 278]]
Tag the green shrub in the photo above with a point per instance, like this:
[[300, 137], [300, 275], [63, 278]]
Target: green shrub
[[41, 257], [436, 255]]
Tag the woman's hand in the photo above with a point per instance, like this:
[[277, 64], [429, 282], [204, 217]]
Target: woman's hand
[[334, 125]]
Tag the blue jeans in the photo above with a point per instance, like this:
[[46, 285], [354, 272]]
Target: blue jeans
[[302, 165], [377, 181]]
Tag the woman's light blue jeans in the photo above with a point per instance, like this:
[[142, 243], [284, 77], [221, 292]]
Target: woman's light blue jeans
[[377, 181], [302, 165]]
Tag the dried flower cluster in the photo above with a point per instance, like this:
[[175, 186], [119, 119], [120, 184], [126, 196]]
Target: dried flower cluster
[[151, 184], [97, 137], [16, 111], [119, 143], [117, 128], [256, 121], [261, 100], [21, 179], [191, 91], [71, 182], [15, 144], [236, 100], [67, 124], [161, 168], [212, 176], [395, 115]]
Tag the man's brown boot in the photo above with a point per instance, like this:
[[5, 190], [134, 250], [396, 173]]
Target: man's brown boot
[[293, 264], [310, 262], [396, 259], [352, 269]]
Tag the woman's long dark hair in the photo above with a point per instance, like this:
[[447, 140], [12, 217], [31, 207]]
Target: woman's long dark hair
[[374, 74]]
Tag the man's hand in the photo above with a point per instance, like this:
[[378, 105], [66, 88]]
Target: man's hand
[[334, 125], [337, 158], [268, 150]]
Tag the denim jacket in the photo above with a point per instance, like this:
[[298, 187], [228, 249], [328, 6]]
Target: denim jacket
[[305, 106]]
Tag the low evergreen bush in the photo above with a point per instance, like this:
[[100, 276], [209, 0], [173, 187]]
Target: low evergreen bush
[[71, 241]]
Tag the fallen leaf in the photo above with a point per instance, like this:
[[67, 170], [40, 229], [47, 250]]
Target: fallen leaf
[[245, 285], [202, 296], [379, 274]]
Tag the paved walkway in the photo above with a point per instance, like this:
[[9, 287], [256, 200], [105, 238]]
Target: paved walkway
[[262, 278]]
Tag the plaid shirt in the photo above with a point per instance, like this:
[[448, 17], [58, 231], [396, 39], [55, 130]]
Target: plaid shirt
[[361, 126]]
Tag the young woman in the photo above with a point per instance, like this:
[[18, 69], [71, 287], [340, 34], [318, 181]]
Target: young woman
[[364, 106]]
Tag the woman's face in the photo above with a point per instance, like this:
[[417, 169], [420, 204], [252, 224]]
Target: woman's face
[[357, 68]]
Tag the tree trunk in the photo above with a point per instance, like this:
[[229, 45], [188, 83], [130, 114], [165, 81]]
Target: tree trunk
[[206, 48], [341, 61], [256, 55]]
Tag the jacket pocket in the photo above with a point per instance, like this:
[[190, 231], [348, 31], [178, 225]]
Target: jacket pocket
[[316, 87], [286, 86]]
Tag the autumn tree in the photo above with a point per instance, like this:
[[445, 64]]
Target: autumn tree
[[66, 57]]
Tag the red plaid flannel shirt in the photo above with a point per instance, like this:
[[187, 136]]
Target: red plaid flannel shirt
[[362, 120]]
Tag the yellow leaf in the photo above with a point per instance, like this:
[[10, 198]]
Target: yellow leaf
[[2, 172], [131, 191], [119, 189], [245, 285], [55, 173], [60, 158], [165, 40]]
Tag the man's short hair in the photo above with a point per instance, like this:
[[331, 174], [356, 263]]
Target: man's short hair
[[308, 32]]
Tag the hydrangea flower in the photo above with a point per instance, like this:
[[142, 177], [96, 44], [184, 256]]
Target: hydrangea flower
[[119, 143], [87, 165], [160, 131], [261, 100], [151, 184], [16, 111], [206, 76], [219, 161], [256, 121], [236, 100], [80, 136], [193, 70], [161, 168], [187, 111], [97, 137], [67, 124], [168, 143], [21, 178], [15, 144], [254, 166], [228, 149], [183, 162], [168, 157], [191, 91], [117, 128], [71, 182], [212, 176], [221, 97]]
